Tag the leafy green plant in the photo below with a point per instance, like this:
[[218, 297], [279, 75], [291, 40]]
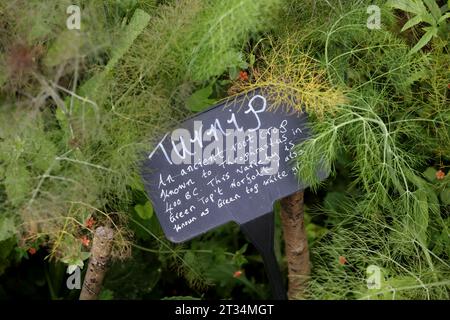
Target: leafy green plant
[[381, 139], [78, 110], [424, 11], [216, 39], [98, 102], [45, 176]]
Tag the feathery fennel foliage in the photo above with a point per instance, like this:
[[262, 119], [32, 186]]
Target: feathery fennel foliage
[[186, 43], [390, 134], [293, 76], [376, 243], [75, 124], [119, 90], [55, 172], [215, 41]]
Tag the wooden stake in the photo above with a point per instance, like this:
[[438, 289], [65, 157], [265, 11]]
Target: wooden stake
[[296, 244], [98, 263]]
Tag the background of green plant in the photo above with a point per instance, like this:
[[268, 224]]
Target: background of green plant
[[78, 108]]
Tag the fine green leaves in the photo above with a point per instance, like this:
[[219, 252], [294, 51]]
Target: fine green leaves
[[219, 32]]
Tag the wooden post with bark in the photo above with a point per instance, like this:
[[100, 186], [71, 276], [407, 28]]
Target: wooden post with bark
[[98, 263], [296, 244]]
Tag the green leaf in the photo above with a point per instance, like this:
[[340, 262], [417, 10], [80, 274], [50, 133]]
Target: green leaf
[[144, 211], [423, 41], [444, 17], [73, 263], [428, 18], [200, 100], [445, 196], [66, 46], [243, 249], [406, 5], [420, 7], [434, 8], [412, 22], [239, 258], [430, 174]]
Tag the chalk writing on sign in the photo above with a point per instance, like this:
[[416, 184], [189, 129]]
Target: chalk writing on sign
[[229, 163]]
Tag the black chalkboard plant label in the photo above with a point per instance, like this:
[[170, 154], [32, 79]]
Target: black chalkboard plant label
[[228, 163]]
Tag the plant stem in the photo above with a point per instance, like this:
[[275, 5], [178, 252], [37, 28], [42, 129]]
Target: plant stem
[[100, 254], [296, 244]]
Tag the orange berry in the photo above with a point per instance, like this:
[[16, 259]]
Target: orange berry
[[89, 223], [32, 251], [342, 260], [85, 241], [237, 274], [243, 75], [440, 175]]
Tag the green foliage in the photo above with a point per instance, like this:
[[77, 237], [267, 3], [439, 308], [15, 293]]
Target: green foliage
[[374, 241], [144, 211], [79, 108], [53, 168], [220, 30], [389, 134], [200, 99], [425, 11]]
